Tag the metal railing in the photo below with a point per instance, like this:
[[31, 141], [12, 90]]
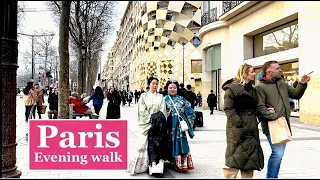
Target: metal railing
[[163, 4], [209, 17], [228, 5]]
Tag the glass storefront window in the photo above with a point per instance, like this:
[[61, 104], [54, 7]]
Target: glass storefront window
[[276, 40], [290, 71], [196, 66]]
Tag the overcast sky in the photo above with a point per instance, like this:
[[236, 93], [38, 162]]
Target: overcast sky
[[42, 20]]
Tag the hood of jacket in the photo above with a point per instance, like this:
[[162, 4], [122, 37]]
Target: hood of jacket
[[227, 84], [262, 79]]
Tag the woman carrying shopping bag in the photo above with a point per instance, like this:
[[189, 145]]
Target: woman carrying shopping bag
[[151, 111], [179, 123]]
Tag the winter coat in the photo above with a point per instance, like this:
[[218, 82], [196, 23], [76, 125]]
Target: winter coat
[[30, 98], [212, 100], [192, 98], [243, 144], [53, 101], [78, 105], [275, 94], [113, 109], [97, 101], [39, 96]]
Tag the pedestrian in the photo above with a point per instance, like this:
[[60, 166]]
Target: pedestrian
[[130, 96], [178, 147], [191, 97], [243, 152], [199, 96], [136, 96], [82, 97], [97, 97], [182, 91], [113, 109], [212, 101], [160, 91], [39, 98], [29, 98], [123, 97], [274, 93], [80, 107], [152, 115], [53, 104]]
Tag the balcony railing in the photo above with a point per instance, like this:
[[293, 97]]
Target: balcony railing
[[228, 5], [209, 17], [163, 4]]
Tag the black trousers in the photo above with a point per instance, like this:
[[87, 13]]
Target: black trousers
[[28, 112], [39, 111], [211, 110], [97, 109]]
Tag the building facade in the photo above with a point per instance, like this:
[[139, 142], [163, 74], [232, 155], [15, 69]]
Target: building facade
[[161, 39], [253, 32]]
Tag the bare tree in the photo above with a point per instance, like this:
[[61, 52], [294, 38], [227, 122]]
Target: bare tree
[[90, 24], [21, 14], [286, 38], [64, 90], [73, 71]]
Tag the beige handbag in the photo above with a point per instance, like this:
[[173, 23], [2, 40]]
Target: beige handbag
[[279, 131], [183, 124]]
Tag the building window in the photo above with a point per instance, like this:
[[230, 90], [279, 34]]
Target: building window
[[196, 41], [171, 43], [196, 66], [213, 58], [279, 39], [193, 13], [169, 17]]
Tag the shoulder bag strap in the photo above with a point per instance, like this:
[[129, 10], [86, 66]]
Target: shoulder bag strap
[[175, 106]]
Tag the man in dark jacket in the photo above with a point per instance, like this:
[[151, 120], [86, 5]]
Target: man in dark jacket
[[182, 91], [212, 101], [274, 93], [191, 97]]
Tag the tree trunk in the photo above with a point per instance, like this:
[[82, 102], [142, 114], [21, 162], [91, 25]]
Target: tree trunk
[[80, 82], [9, 65], [64, 89]]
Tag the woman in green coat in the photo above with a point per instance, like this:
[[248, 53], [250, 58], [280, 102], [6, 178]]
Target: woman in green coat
[[243, 151]]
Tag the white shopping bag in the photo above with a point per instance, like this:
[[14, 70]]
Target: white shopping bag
[[140, 162]]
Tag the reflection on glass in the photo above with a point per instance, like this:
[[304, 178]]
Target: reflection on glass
[[196, 66], [279, 39]]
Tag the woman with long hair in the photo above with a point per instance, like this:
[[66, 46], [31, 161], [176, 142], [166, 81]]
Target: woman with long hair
[[29, 98], [152, 115], [97, 97], [243, 152], [179, 109]]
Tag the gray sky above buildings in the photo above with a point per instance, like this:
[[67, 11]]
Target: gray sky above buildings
[[39, 19]]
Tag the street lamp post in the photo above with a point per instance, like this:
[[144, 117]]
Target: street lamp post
[[183, 44], [83, 50]]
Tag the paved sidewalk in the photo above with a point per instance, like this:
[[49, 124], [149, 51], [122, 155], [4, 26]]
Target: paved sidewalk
[[207, 149]]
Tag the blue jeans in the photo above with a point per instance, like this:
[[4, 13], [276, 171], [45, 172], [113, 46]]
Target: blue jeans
[[275, 158]]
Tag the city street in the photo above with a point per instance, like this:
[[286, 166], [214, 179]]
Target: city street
[[207, 148]]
